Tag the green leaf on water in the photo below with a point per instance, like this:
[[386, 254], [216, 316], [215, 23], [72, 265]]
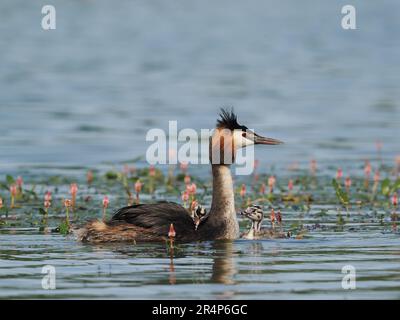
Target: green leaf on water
[[4, 186], [32, 193], [10, 180], [396, 186], [64, 228], [385, 187], [341, 195], [111, 175]]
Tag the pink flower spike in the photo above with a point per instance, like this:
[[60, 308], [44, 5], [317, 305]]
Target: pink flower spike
[[194, 189], [185, 196], [367, 169], [171, 232], [339, 173], [1, 203], [272, 216], [13, 190], [271, 183], [73, 189], [47, 204], [20, 182], [67, 203], [47, 196], [279, 216], [105, 202], [347, 183], [290, 185], [394, 200], [138, 186], [376, 176], [191, 189], [194, 204], [262, 188], [152, 171], [243, 190], [187, 179]]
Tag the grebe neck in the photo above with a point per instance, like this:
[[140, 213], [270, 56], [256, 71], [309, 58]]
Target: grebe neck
[[222, 214]]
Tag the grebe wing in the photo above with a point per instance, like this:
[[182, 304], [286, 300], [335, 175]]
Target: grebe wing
[[157, 217]]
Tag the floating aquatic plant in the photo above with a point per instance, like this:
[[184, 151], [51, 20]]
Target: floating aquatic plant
[[185, 198], [187, 179], [315, 190], [290, 186], [262, 189], [67, 204], [341, 195], [19, 183], [243, 191], [339, 174], [388, 188], [272, 218], [192, 189], [138, 189], [47, 202], [394, 200], [271, 183], [13, 194], [171, 236], [73, 190], [347, 184], [105, 203], [367, 173]]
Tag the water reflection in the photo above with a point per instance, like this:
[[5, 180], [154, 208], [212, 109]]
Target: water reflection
[[223, 270]]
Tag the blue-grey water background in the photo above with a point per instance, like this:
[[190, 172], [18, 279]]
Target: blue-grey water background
[[86, 93]]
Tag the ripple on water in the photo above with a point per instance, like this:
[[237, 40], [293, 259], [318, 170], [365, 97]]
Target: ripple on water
[[242, 269]]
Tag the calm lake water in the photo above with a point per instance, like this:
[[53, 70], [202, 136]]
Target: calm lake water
[[85, 94]]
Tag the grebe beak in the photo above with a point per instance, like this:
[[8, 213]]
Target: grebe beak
[[264, 140]]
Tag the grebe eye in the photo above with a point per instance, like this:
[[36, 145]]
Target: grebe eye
[[244, 134]]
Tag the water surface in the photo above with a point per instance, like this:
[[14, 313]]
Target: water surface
[[83, 96]]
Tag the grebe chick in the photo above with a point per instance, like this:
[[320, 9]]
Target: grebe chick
[[199, 214], [256, 215]]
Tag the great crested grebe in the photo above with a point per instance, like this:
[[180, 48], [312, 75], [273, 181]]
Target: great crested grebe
[[151, 222]]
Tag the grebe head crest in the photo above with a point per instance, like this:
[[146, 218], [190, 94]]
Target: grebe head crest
[[229, 136]]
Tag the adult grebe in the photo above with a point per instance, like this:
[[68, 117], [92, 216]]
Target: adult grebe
[[151, 222]]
